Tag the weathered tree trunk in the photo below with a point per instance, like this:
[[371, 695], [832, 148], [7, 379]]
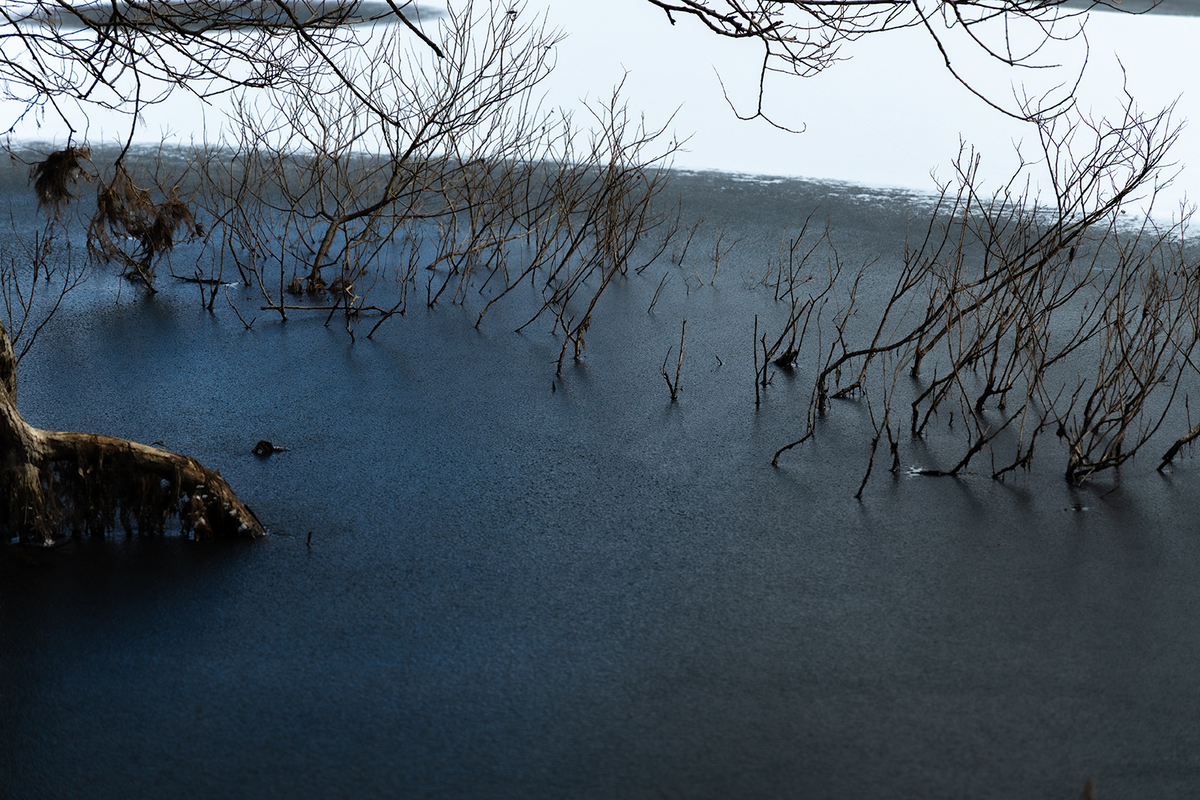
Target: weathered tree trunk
[[55, 484]]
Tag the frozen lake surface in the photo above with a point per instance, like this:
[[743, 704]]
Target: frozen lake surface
[[519, 585]]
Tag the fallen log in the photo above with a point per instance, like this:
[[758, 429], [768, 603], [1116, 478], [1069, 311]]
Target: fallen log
[[56, 484]]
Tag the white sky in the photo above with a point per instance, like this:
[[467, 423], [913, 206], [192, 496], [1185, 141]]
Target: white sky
[[887, 117]]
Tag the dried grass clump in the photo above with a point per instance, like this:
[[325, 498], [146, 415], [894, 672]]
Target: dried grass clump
[[55, 177], [124, 210]]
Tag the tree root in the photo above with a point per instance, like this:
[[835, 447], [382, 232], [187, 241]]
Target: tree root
[[61, 484]]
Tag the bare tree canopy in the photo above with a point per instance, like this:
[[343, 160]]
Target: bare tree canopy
[[123, 56], [56, 56], [804, 38]]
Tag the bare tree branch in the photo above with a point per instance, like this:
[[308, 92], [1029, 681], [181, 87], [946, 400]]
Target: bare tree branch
[[806, 37]]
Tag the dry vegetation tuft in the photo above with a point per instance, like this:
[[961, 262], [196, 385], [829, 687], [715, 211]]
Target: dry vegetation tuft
[[55, 177]]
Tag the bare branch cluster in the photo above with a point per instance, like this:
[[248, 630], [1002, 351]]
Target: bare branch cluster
[[35, 277], [454, 172], [806, 37], [1023, 320], [66, 58]]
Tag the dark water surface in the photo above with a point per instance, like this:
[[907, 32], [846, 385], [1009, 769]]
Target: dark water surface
[[587, 592]]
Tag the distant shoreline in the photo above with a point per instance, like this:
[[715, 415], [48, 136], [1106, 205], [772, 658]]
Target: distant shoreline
[[1176, 8]]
